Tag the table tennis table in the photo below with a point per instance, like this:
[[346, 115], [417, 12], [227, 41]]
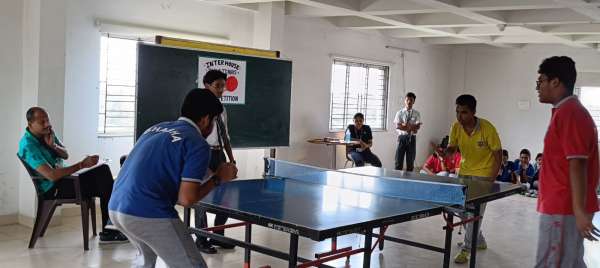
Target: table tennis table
[[319, 204]]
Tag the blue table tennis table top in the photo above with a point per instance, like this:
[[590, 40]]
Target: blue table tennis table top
[[320, 203]]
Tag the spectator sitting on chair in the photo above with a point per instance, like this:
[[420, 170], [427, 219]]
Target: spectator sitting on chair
[[538, 163], [533, 182], [523, 170], [435, 164], [442, 165], [506, 169], [453, 163], [361, 153], [42, 151]]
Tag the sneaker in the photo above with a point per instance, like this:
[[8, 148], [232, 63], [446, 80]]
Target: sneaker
[[112, 237], [221, 244], [462, 257], [482, 246], [110, 226], [205, 247]]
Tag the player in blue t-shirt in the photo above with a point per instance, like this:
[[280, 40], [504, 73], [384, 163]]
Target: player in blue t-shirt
[[523, 170], [168, 166], [505, 174]]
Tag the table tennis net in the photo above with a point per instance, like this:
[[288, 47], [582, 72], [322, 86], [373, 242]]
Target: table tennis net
[[416, 188]]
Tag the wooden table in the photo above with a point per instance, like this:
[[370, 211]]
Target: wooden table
[[333, 142]]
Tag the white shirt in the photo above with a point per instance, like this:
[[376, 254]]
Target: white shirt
[[213, 137], [406, 116]]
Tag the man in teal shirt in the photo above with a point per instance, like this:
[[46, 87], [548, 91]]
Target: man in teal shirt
[[43, 152]]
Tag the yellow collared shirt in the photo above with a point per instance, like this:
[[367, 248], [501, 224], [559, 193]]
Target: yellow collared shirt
[[477, 149]]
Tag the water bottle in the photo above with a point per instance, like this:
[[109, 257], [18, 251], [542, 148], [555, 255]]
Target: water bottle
[[347, 136]]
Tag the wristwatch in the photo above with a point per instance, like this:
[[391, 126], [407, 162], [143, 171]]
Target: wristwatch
[[216, 180]]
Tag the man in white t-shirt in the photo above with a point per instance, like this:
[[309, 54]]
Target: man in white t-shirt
[[408, 123], [218, 139]]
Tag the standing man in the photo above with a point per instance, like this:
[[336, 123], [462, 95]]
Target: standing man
[[481, 152], [218, 139], [569, 174], [168, 165], [408, 122]]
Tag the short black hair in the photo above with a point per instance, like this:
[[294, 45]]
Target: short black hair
[[467, 100], [199, 103], [213, 75], [561, 67], [538, 156], [505, 153], [525, 151], [359, 115], [30, 114], [411, 95]]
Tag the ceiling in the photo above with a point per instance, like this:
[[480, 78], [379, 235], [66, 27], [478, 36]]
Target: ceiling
[[499, 23]]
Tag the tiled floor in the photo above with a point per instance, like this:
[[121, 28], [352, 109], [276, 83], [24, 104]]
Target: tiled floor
[[510, 227]]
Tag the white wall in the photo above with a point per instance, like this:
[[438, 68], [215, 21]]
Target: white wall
[[50, 58], [83, 54], [309, 44], [500, 78], [10, 103]]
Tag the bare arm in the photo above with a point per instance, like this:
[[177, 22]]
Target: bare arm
[[403, 127], [191, 192], [55, 174], [228, 150], [577, 176], [497, 163], [583, 220], [429, 172], [58, 149], [61, 151]]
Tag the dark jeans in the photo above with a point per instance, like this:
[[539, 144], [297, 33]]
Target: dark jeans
[[360, 158], [96, 182], [217, 157], [407, 145]]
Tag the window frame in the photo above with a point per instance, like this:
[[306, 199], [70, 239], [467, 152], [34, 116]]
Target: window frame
[[100, 82], [368, 64], [577, 92]]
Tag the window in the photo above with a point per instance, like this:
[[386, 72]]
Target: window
[[118, 64], [358, 87], [590, 98]]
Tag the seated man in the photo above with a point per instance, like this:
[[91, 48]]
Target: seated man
[[506, 169], [453, 163], [523, 170], [435, 165], [44, 153], [533, 182], [168, 165], [538, 163], [362, 153], [442, 165]]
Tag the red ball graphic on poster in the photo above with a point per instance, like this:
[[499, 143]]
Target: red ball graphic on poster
[[231, 84]]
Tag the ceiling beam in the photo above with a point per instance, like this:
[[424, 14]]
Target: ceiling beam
[[321, 4], [569, 29], [491, 5]]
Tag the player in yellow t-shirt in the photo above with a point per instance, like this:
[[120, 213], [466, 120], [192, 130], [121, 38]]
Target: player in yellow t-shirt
[[481, 152]]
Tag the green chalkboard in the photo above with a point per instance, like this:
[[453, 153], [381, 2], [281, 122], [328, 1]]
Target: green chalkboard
[[166, 74]]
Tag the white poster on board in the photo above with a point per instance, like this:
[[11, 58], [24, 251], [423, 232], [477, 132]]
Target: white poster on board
[[235, 86]]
